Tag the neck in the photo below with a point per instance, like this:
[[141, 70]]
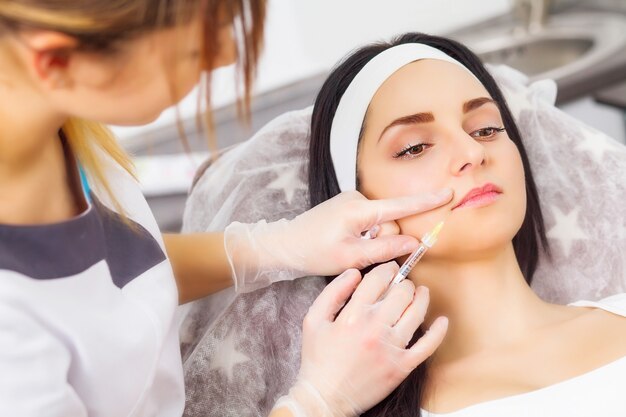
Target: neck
[[488, 302], [34, 183]]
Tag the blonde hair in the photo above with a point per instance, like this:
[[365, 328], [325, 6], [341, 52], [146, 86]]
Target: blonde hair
[[101, 25]]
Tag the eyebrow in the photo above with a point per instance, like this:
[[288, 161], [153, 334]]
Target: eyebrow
[[427, 117], [475, 103]]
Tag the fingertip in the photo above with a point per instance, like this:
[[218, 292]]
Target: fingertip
[[440, 324], [430, 341], [348, 275], [387, 270], [408, 245], [334, 296], [436, 198], [422, 292], [347, 281], [445, 193], [391, 266]]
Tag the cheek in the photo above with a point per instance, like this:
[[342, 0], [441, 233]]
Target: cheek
[[510, 171], [159, 75], [380, 178], [142, 101], [151, 85], [420, 224], [518, 187], [389, 178], [187, 76]]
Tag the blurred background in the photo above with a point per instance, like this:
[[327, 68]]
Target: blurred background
[[581, 44]]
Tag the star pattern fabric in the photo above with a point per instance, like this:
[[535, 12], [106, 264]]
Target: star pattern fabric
[[226, 356], [596, 145], [242, 352], [581, 178], [288, 180], [566, 229]]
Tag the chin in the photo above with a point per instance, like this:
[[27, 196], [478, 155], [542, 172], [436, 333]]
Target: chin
[[475, 234], [470, 248], [136, 120]]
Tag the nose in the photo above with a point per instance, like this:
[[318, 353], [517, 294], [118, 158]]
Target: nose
[[468, 154]]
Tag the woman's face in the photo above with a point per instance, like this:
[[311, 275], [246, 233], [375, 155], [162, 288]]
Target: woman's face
[[432, 125]]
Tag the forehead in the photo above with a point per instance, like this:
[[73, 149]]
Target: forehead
[[427, 85]]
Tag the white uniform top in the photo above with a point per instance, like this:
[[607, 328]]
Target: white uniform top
[[86, 315], [598, 393]]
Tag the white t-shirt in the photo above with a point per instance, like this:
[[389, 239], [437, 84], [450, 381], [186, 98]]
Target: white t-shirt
[[87, 314], [598, 393]]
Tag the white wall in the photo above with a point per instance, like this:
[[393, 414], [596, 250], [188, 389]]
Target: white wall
[[306, 37]]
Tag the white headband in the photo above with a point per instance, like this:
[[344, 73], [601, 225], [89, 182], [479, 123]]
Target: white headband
[[344, 133]]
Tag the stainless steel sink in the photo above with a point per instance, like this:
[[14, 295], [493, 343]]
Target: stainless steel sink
[[567, 44]]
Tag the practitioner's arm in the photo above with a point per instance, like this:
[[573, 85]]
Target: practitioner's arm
[[200, 264], [263, 253]]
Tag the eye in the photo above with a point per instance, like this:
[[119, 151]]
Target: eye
[[487, 132], [412, 151]]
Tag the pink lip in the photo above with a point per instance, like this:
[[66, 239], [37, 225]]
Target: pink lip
[[480, 196]]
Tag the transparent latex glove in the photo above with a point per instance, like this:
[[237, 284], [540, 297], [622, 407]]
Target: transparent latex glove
[[354, 360], [326, 240]]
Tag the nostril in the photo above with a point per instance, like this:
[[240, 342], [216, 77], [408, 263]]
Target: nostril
[[468, 165]]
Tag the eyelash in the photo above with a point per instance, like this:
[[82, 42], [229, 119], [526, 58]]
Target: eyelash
[[404, 153], [494, 129]]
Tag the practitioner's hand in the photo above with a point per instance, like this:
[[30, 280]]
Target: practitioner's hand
[[353, 361], [325, 240]]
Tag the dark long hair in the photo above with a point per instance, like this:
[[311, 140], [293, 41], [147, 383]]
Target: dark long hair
[[529, 240]]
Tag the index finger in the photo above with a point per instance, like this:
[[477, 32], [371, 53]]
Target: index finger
[[380, 211]]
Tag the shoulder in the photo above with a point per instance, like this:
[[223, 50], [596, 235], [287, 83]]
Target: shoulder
[[125, 197], [605, 318], [615, 304], [603, 326]]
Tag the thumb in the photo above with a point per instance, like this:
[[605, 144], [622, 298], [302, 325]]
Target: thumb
[[389, 228]]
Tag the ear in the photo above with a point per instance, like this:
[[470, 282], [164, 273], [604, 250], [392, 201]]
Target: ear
[[51, 53]]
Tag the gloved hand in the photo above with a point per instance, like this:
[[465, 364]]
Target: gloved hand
[[325, 240], [352, 362]]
